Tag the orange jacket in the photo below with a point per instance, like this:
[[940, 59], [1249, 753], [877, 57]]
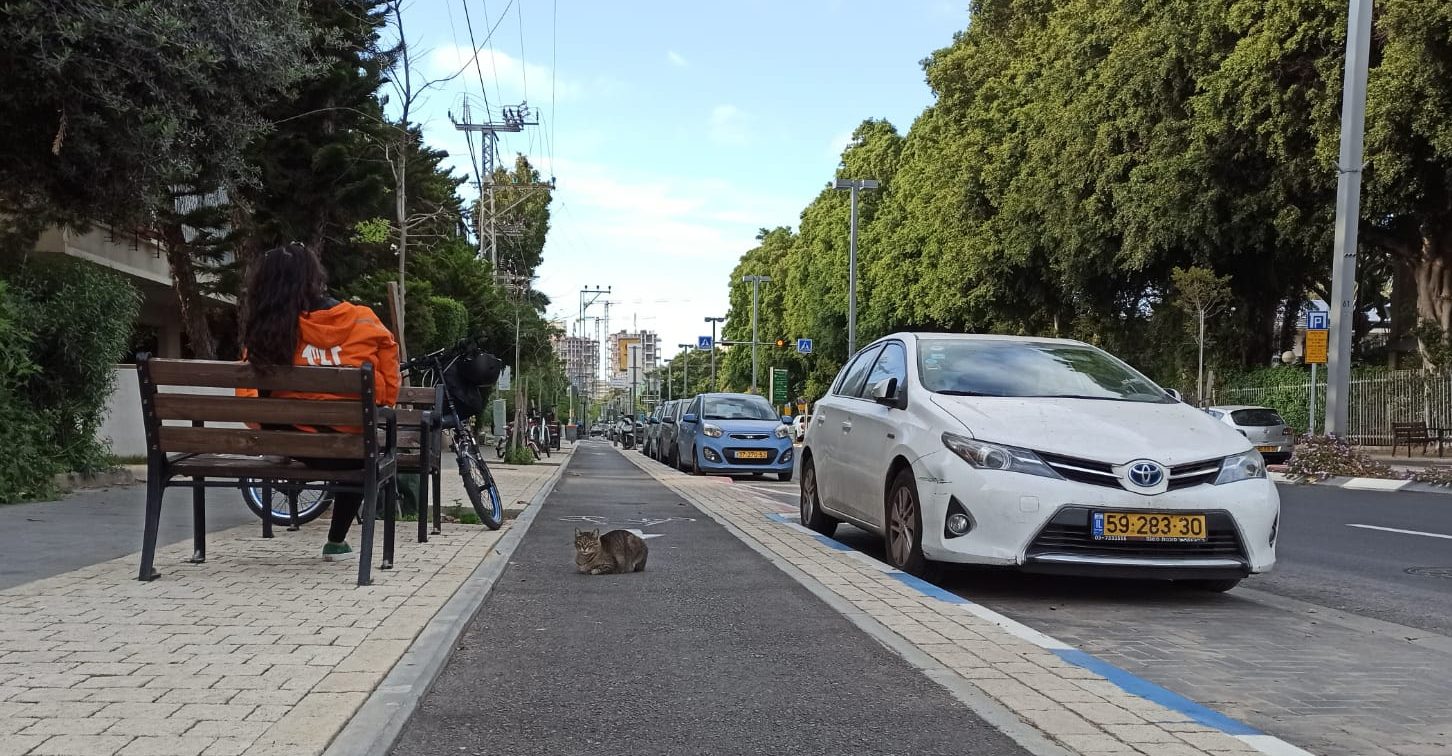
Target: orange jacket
[[345, 335]]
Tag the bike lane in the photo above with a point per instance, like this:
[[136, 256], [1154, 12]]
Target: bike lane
[[711, 650]]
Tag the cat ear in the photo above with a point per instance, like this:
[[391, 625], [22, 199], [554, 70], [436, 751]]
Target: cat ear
[[597, 532], [578, 532]]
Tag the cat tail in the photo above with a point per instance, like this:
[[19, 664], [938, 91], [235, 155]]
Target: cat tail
[[640, 566]]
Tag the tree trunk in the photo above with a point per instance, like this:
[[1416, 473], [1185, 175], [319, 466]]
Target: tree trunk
[[1433, 272], [1403, 312], [188, 293], [1285, 340]]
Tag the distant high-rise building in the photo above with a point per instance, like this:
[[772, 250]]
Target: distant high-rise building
[[581, 358], [619, 354]]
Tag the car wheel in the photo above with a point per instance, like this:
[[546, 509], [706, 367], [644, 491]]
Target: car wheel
[[811, 506], [1213, 586], [905, 526], [695, 466]]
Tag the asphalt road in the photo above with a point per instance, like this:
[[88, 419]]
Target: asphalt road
[[711, 650], [1343, 649], [42, 539]]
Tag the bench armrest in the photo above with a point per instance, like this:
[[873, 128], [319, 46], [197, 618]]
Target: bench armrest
[[390, 424]]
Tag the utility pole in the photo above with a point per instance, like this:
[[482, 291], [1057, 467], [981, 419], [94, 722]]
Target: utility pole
[[756, 282], [855, 185], [514, 120], [1348, 217], [713, 321]]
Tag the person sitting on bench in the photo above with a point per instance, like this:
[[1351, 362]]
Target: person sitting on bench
[[289, 319]]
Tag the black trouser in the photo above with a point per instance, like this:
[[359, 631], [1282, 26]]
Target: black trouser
[[345, 503]]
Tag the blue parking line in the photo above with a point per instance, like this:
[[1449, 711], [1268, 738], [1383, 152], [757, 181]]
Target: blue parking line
[[1126, 681], [1143, 688]]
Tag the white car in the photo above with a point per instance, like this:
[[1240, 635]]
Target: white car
[[1263, 426], [1045, 454], [799, 427]]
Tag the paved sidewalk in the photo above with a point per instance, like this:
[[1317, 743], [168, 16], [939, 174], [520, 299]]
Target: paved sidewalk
[[710, 650], [1008, 663], [263, 650]]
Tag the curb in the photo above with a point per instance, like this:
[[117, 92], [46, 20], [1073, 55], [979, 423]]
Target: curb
[[1385, 485], [374, 728], [73, 481]]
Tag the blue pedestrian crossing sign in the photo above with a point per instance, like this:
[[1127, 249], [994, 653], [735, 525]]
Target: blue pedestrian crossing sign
[[1318, 320], [804, 346], [703, 342]]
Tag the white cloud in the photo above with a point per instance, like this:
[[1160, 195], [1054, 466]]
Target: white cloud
[[676, 59], [515, 78], [728, 125]]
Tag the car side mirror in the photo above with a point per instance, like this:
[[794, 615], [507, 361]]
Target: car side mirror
[[786, 419], [689, 418], [884, 392], [1174, 395]]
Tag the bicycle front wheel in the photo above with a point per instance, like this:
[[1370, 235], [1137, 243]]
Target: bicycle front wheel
[[311, 504], [479, 483]]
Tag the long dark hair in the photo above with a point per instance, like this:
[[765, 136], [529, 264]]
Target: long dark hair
[[284, 283]]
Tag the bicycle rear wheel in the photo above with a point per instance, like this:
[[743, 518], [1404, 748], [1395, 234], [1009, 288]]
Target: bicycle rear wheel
[[478, 482], [311, 504]]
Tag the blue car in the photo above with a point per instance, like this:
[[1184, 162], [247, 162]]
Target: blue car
[[734, 434]]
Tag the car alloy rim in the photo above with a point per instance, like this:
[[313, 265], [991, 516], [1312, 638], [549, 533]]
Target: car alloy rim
[[902, 528], [809, 493]]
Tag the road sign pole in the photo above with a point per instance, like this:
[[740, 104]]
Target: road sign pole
[[1311, 416]]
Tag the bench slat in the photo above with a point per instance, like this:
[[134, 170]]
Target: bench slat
[[213, 466], [252, 410], [407, 417], [416, 395], [217, 374], [260, 442]]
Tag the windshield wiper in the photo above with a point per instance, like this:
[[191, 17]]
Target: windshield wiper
[[955, 392]]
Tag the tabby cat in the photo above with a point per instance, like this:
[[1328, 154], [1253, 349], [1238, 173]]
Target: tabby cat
[[616, 551]]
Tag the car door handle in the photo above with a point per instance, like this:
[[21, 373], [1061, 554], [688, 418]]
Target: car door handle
[[846, 427]]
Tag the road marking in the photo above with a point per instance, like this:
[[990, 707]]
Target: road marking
[[772, 491], [1123, 679], [1399, 530]]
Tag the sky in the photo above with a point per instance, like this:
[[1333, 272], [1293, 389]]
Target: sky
[[674, 130]]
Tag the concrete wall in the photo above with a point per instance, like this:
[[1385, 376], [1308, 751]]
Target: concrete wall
[[123, 415]]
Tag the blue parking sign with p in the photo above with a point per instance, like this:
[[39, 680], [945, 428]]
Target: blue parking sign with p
[[804, 346], [703, 342], [1318, 320]]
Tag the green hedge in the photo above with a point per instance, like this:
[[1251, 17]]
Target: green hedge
[[63, 325]]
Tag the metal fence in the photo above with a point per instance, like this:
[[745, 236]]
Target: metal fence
[[1378, 399]]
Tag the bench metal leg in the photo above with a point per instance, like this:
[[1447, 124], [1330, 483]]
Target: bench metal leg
[[155, 488], [438, 476], [369, 514], [390, 517], [266, 509], [199, 521]]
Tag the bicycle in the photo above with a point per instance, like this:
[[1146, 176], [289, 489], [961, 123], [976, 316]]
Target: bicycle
[[444, 367], [501, 445]]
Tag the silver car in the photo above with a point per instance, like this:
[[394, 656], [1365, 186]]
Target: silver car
[[1263, 426]]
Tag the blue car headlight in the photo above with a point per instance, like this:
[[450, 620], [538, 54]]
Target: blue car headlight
[[782, 431], [1245, 466], [711, 431], [986, 456]]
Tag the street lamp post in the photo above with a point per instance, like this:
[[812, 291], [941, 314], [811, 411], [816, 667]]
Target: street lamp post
[[756, 282], [685, 370], [713, 322], [854, 185], [1348, 217]]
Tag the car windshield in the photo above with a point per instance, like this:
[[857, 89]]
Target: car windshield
[[738, 408], [1256, 418], [1030, 369]]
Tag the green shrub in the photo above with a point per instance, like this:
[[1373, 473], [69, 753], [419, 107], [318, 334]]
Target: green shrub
[[451, 322], [518, 455], [1322, 457], [63, 325]]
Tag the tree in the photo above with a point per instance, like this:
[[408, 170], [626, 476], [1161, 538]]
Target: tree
[[1202, 295]]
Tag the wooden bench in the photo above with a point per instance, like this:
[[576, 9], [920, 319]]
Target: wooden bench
[[1410, 433], [420, 412], [210, 457]]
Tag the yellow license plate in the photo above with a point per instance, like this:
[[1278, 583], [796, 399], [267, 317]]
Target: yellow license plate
[[1266, 448], [753, 454], [1147, 526]]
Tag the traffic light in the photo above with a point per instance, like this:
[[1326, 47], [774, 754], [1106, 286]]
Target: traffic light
[[781, 343]]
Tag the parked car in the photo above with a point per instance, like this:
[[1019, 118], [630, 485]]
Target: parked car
[[734, 434], [597, 430], [652, 431], [799, 427], [1045, 454], [670, 432], [1263, 426]]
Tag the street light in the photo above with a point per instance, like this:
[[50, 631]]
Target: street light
[[713, 322], [854, 185], [756, 282], [686, 370]]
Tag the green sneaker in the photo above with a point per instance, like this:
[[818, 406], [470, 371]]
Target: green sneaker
[[334, 552]]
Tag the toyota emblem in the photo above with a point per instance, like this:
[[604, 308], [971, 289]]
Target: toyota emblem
[[1146, 474]]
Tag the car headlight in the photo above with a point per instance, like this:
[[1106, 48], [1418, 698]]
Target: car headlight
[[986, 456], [782, 431], [1246, 466], [712, 431]]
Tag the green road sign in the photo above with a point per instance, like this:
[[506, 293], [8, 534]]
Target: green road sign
[[778, 386]]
